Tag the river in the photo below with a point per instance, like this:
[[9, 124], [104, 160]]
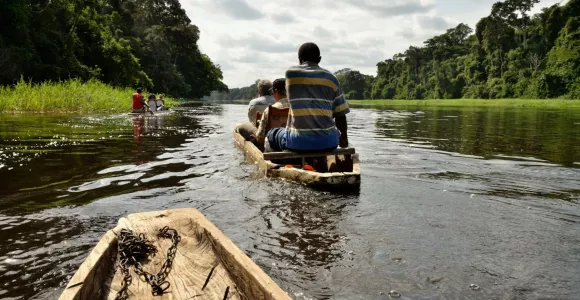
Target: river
[[450, 197]]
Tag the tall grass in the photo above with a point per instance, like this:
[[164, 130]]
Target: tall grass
[[70, 96], [548, 103]]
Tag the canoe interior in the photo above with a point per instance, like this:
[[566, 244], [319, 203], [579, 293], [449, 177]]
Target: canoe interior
[[202, 248], [340, 170]]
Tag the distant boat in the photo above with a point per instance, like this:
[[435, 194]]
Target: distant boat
[[160, 112], [206, 264]]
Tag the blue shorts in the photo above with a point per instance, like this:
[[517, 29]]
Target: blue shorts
[[277, 138]]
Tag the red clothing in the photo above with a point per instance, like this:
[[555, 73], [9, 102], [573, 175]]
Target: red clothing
[[137, 101]]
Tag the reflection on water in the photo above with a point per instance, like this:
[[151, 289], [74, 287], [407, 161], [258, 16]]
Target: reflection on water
[[449, 197], [504, 152], [538, 135]]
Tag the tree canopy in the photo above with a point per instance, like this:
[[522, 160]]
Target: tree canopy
[[128, 43], [509, 54]]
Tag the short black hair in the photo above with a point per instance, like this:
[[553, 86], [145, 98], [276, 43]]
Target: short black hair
[[309, 52], [279, 85], [139, 90]]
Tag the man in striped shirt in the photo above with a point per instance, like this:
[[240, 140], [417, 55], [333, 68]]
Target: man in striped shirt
[[317, 117]]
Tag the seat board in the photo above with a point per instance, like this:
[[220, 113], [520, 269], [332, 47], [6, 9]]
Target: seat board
[[289, 154]]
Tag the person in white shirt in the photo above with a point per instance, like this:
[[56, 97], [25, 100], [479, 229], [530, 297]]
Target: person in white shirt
[[152, 103], [265, 98]]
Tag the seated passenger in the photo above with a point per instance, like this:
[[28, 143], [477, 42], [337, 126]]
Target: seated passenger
[[138, 102], [160, 103], [259, 104], [152, 103], [315, 99], [279, 92]]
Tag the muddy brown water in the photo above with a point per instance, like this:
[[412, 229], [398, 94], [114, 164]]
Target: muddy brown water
[[450, 197]]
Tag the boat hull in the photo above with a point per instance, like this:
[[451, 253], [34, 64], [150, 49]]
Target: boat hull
[[206, 263], [347, 179], [155, 113]]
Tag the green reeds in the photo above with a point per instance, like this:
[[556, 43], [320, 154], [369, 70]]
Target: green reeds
[[73, 96]]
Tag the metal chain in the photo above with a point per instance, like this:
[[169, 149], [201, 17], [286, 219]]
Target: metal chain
[[135, 249]]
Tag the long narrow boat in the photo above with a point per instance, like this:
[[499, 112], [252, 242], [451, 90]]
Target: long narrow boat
[[206, 264], [342, 165], [148, 113]]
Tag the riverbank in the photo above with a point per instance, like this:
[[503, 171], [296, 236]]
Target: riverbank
[[548, 103], [72, 96]]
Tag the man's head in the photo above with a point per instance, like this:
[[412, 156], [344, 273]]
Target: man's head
[[309, 52], [139, 90], [279, 88], [264, 86]]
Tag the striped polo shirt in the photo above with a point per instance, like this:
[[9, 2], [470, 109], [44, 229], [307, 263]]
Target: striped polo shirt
[[315, 98]]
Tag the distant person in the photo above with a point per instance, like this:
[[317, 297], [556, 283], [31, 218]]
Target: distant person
[[279, 94], [138, 101], [317, 118], [160, 103], [248, 129], [152, 102]]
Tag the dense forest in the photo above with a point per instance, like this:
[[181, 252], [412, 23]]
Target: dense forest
[[126, 43], [510, 54], [244, 93]]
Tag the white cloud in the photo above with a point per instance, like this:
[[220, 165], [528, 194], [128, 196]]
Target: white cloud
[[253, 39]]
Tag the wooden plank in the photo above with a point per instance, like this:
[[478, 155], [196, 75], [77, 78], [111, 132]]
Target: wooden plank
[[288, 154]]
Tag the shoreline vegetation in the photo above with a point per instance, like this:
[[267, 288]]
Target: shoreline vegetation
[[508, 54], [539, 103], [90, 56], [73, 96]]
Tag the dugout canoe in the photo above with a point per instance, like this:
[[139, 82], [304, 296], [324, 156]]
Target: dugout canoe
[[342, 164], [206, 263], [147, 113]]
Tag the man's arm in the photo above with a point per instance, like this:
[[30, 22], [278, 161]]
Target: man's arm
[[342, 127], [261, 133], [340, 109], [144, 102], [250, 112]]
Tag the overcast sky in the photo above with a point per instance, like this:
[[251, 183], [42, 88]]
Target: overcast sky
[[253, 39]]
